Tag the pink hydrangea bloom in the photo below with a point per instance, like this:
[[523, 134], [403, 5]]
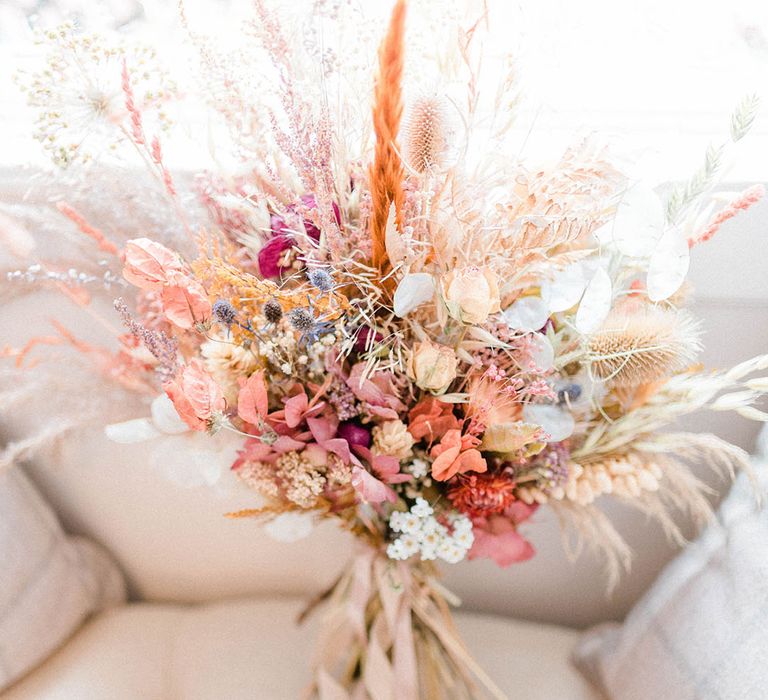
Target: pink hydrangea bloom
[[147, 263], [184, 300], [497, 538], [377, 392], [195, 395]]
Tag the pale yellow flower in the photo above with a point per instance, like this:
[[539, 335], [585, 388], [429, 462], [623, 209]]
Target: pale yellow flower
[[227, 361], [392, 438], [472, 294], [433, 366]]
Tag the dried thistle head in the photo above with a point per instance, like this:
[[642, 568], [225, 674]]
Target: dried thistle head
[[644, 346], [426, 133]]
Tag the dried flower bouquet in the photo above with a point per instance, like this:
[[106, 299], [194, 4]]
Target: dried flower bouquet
[[422, 340]]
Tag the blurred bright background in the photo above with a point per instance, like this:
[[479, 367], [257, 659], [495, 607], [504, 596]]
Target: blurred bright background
[[659, 77]]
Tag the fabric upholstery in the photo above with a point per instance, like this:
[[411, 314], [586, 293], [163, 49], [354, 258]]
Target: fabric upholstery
[[700, 632], [49, 583], [249, 649]]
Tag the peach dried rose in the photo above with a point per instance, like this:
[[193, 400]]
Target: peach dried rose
[[472, 294]]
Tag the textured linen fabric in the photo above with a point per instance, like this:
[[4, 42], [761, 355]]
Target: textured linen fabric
[[49, 583], [245, 649], [701, 631]]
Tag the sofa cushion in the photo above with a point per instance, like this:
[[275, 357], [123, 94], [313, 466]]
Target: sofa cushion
[[49, 583], [700, 632], [252, 648]]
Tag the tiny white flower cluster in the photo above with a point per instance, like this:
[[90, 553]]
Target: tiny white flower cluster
[[281, 350], [421, 533]]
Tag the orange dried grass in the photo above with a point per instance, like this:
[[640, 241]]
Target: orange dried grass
[[386, 172]]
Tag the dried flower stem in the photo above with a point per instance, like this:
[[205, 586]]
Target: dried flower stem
[[92, 232]]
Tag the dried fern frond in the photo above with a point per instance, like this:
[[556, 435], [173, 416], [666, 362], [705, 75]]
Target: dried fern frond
[[426, 133], [386, 172], [643, 347]]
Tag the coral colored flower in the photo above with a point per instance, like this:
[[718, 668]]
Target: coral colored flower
[[472, 294], [184, 300], [456, 454], [431, 419], [482, 495], [195, 395], [147, 263]]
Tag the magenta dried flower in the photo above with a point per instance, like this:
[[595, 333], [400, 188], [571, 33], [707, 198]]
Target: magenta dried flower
[[355, 434]]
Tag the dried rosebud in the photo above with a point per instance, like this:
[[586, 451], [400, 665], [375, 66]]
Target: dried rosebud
[[472, 294], [433, 366]]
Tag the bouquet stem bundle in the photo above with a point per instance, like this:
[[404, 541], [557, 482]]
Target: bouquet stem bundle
[[388, 633]]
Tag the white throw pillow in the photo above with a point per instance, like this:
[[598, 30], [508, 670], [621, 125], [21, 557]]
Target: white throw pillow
[[49, 582], [701, 630]]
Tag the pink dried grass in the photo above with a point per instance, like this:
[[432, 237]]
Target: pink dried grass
[[743, 202], [96, 234]]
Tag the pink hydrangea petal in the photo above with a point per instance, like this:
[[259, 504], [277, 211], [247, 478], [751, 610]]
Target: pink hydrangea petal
[[369, 488], [505, 548], [295, 408], [185, 302], [252, 401], [147, 263]]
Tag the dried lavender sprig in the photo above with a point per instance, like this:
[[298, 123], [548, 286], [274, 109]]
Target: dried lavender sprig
[[162, 348]]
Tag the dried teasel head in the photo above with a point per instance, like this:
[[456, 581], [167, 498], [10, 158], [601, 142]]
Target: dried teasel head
[[642, 347], [427, 131]]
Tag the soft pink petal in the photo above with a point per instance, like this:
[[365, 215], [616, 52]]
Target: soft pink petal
[[322, 428], [295, 408], [185, 302], [148, 263], [252, 401], [369, 488], [499, 540]]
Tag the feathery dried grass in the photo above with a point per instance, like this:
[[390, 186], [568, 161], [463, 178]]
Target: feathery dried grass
[[386, 172]]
